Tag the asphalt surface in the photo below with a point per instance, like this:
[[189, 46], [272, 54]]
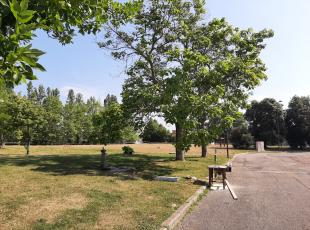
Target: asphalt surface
[[273, 192]]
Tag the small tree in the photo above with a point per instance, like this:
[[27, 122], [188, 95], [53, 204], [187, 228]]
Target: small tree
[[129, 134], [27, 117], [155, 132], [110, 124]]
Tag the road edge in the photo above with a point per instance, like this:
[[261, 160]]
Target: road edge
[[178, 215]]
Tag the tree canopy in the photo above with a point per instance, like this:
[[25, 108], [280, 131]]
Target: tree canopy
[[266, 119], [194, 74], [155, 132], [40, 118], [298, 122], [240, 135], [19, 19]]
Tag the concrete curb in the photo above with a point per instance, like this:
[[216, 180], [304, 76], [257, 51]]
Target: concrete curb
[[176, 217]]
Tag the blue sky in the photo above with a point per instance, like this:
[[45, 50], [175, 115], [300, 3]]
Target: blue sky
[[85, 68]]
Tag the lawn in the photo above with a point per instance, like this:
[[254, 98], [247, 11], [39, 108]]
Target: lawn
[[61, 187]]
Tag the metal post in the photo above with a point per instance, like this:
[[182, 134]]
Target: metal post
[[227, 149], [215, 156]]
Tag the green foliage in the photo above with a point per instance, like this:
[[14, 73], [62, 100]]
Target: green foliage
[[266, 119], [5, 117], [17, 58], [109, 100], [112, 126], [52, 131], [128, 150], [26, 118], [40, 118], [155, 132], [298, 122], [240, 136], [129, 134], [77, 119], [196, 75], [110, 123], [60, 19]]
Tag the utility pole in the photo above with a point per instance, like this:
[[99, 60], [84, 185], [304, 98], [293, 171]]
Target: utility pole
[[278, 118]]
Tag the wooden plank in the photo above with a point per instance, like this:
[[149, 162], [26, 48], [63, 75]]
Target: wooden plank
[[233, 194]]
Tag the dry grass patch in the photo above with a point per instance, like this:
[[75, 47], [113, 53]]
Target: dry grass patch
[[48, 210], [158, 148], [61, 187]]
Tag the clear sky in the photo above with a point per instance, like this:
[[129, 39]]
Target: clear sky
[[89, 70]]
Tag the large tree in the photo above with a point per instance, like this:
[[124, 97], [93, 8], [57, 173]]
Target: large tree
[[19, 19], [218, 66], [188, 72], [298, 122], [151, 85], [266, 119]]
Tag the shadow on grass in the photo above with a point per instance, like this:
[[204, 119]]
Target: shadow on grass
[[144, 166]]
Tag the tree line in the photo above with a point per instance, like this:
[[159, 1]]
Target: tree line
[[267, 121], [40, 118]]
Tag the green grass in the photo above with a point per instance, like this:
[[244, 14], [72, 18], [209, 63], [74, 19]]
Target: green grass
[[61, 187]]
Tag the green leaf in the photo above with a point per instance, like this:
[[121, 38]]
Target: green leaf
[[25, 16], [24, 5], [37, 52], [15, 8], [40, 67], [3, 2]]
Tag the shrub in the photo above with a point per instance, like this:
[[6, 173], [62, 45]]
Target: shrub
[[128, 150]]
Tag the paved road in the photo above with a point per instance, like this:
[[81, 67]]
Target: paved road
[[273, 191]]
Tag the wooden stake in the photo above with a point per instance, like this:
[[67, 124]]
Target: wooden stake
[[233, 194]]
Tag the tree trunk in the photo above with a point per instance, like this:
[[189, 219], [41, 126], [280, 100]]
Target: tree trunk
[[204, 151], [180, 156], [28, 146], [2, 142], [28, 141]]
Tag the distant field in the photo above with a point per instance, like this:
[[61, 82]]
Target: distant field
[[113, 148], [61, 187]]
